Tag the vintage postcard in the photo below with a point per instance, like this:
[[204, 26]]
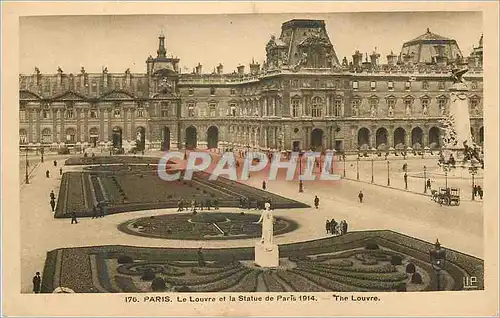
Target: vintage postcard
[[250, 159]]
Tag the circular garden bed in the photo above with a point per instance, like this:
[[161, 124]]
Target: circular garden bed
[[203, 226]]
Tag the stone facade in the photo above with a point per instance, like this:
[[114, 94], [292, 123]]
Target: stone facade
[[302, 97]]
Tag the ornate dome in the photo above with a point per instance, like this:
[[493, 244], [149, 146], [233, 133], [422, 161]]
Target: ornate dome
[[430, 48]]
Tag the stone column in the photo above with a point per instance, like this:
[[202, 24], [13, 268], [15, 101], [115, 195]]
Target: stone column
[[38, 129], [62, 132], [54, 125], [265, 138], [273, 99], [102, 134], [408, 137], [86, 125], [126, 132], [390, 136], [110, 127], [30, 125], [373, 137], [425, 136], [329, 110], [78, 128], [132, 123]]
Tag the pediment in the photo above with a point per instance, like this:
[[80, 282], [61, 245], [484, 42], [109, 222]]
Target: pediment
[[27, 95], [69, 96], [117, 95]]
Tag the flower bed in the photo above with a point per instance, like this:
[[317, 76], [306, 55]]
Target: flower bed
[[247, 284], [388, 277], [200, 280], [299, 283], [272, 285], [327, 283], [209, 270], [221, 284]]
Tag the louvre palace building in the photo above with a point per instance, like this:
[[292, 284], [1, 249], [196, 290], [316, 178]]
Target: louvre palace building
[[303, 97]]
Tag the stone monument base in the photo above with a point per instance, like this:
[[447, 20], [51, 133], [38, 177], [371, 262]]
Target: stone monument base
[[267, 255]]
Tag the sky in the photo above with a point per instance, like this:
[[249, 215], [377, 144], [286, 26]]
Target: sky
[[125, 41]]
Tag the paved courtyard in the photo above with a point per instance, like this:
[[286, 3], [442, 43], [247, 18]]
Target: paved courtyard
[[405, 211]]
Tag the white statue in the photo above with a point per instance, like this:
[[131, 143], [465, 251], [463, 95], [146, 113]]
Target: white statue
[[138, 137], [267, 220]]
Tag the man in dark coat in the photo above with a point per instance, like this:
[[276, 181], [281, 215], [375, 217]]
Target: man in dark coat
[[47, 174], [73, 218], [428, 183], [360, 196], [60, 171], [55, 163], [53, 204], [344, 227], [263, 185], [333, 227], [37, 283], [327, 226], [406, 180], [316, 201], [52, 195]]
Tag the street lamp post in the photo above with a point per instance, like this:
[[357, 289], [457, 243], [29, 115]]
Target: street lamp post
[[446, 179], [388, 176], [42, 150], [372, 170], [438, 260], [357, 168], [344, 165], [301, 186], [425, 179], [473, 171], [27, 164]]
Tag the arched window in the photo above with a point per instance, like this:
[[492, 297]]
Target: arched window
[[46, 136], [317, 107]]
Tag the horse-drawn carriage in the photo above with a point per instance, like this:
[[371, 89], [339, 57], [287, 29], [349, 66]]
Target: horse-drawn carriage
[[446, 196]]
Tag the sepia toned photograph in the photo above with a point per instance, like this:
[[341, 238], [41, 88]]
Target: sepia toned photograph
[[280, 157]]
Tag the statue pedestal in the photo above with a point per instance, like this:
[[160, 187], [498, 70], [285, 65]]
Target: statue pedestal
[[266, 255]]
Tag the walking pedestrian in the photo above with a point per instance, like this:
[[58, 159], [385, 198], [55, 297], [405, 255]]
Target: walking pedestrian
[[52, 195], [360, 196], [480, 192], [327, 226], [55, 163], [73, 218], [60, 171], [47, 174], [428, 183], [344, 227], [53, 204], [316, 201], [94, 212], [179, 206], [406, 180], [333, 227], [37, 283], [263, 185], [216, 204]]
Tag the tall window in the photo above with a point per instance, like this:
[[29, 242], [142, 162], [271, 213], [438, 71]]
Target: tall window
[[425, 85], [23, 136], [212, 91], [425, 106], [408, 103], [337, 108], [295, 107], [46, 136], [69, 111], [191, 110], [93, 88], [391, 103], [373, 85], [373, 107], [22, 112], [441, 85], [441, 105], [233, 91], [46, 111], [355, 84], [165, 109], [232, 110], [70, 135], [355, 106], [317, 107], [140, 111], [212, 109], [474, 102]]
